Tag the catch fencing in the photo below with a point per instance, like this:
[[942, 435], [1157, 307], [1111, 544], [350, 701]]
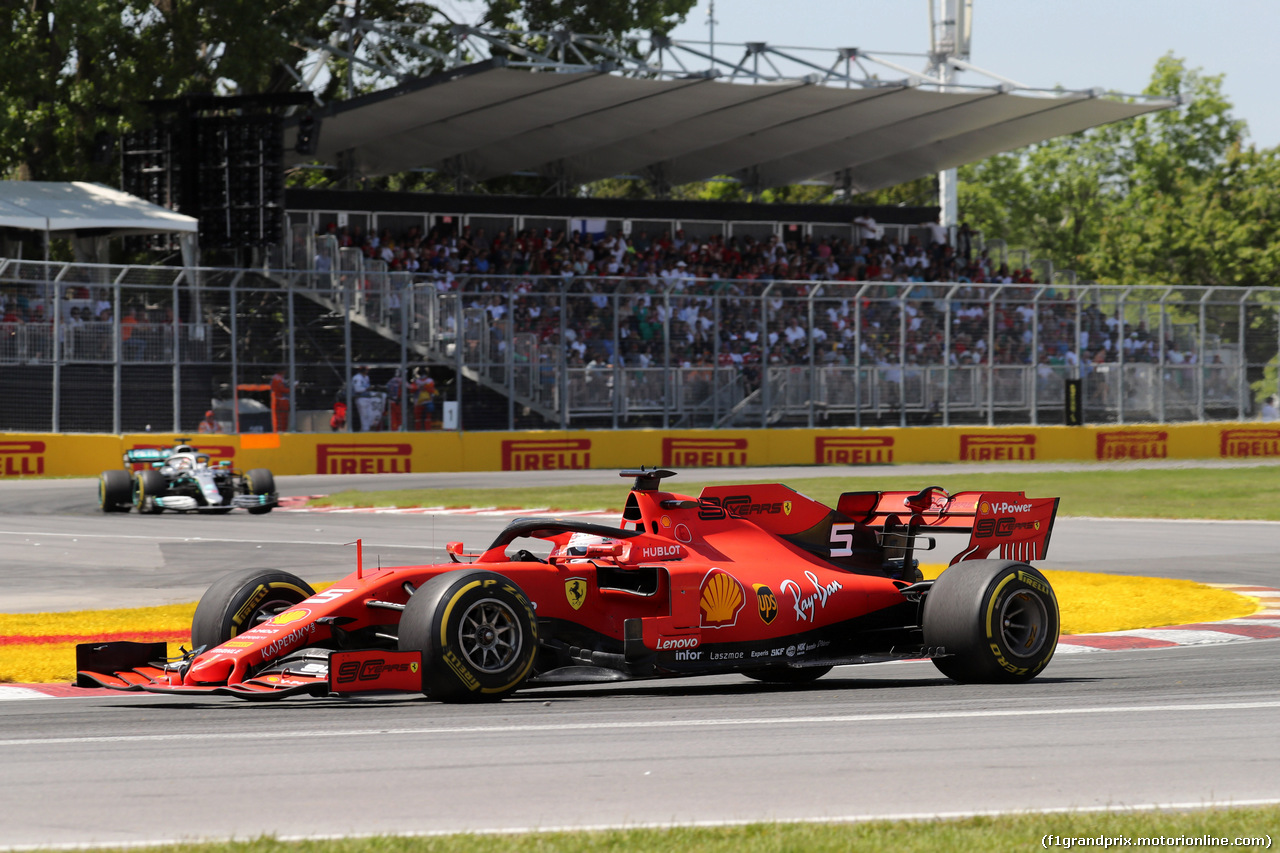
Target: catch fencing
[[95, 348]]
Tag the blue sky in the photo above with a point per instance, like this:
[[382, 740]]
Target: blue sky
[[1112, 44]]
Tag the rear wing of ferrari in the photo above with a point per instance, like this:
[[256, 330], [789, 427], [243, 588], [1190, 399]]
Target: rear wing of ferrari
[[1006, 525]]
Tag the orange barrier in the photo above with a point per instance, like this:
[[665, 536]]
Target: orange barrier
[[43, 454]]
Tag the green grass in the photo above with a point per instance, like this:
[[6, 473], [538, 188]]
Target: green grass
[[980, 835], [1225, 493]]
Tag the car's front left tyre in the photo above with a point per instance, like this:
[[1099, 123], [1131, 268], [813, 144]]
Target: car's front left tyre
[[243, 599], [477, 633], [115, 491]]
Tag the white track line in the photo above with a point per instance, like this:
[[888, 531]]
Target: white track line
[[532, 728]]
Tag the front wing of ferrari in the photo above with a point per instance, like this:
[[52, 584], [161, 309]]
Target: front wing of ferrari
[[312, 672]]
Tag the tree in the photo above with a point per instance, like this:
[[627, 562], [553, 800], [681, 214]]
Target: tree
[[1173, 197], [74, 70]]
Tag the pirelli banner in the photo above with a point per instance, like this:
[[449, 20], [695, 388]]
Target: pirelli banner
[[34, 455]]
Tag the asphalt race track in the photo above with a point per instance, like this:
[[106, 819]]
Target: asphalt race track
[[1186, 726]]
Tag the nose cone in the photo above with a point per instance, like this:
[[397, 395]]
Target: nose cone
[[210, 670]]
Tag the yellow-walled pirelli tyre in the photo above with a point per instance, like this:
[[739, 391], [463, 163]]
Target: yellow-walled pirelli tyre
[[991, 621], [477, 633], [115, 491], [147, 486], [236, 602]]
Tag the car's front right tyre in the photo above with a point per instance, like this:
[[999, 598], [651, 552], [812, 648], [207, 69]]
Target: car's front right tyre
[[477, 633]]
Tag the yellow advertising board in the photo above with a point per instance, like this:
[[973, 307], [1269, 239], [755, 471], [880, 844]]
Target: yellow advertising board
[[45, 454]]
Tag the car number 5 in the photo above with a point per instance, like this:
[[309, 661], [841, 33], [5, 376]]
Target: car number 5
[[842, 535]]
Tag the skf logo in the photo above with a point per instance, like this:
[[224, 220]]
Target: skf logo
[[364, 459], [575, 590], [1133, 444], [983, 447], [1244, 443], [722, 598], [766, 603], [555, 454], [852, 450], [21, 458], [704, 452]]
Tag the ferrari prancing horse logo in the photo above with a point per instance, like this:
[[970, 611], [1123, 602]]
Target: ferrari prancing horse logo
[[786, 507], [575, 590]]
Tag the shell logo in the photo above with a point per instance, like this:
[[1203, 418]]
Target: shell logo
[[666, 521], [291, 616], [722, 598], [984, 508]]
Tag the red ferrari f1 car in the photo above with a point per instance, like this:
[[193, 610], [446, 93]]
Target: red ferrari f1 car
[[758, 580]]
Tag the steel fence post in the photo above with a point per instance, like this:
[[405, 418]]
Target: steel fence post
[[1120, 362], [1035, 356], [564, 355], [857, 355], [901, 357], [509, 356], [813, 363], [177, 354], [1242, 364], [459, 356], [667, 369], [116, 350], [291, 373], [615, 397], [1200, 357], [233, 299], [766, 390], [405, 413], [991, 355], [352, 414]]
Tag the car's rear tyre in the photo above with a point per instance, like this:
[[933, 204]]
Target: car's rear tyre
[[115, 491], [993, 621], [477, 633], [245, 598], [787, 674], [148, 485], [260, 481]]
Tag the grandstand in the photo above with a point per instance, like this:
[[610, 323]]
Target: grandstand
[[557, 329]]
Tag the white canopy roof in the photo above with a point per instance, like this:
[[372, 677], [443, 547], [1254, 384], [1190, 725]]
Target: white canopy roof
[[66, 208], [486, 120]]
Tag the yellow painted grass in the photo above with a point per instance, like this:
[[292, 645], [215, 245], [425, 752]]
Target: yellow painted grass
[[1089, 603], [1094, 603]]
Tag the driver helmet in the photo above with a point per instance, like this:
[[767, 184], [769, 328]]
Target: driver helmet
[[180, 463], [578, 543]]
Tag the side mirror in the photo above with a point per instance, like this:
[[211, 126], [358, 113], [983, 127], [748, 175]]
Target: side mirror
[[610, 549]]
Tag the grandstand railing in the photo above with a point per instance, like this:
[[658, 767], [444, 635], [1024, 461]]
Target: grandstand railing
[[572, 352]]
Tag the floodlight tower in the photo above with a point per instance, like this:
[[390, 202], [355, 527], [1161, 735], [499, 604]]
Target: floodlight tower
[[950, 26]]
